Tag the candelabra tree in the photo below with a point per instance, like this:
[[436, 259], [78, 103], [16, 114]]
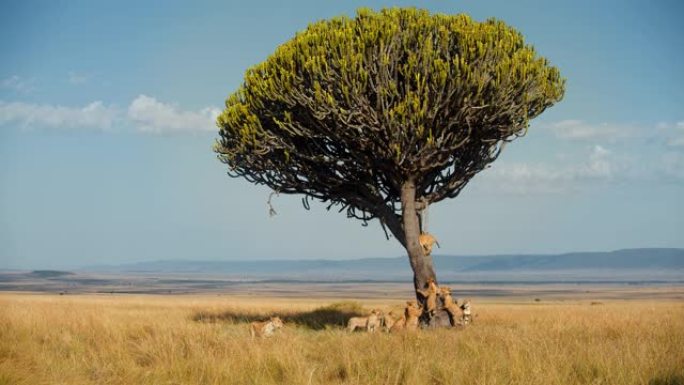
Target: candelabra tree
[[385, 113]]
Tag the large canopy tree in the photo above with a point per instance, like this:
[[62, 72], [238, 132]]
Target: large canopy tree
[[384, 114]]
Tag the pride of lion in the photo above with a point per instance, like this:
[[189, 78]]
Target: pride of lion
[[393, 321], [409, 319], [459, 315]]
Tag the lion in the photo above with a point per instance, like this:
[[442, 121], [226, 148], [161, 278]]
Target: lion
[[388, 320], [460, 315], [398, 324], [370, 323], [374, 321], [265, 329], [408, 320], [450, 305], [412, 312], [466, 315], [431, 296], [426, 240], [357, 322]]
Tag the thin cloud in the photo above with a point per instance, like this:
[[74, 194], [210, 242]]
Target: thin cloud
[[522, 177], [673, 165], [18, 84], [152, 116], [78, 78], [94, 115], [572, 129], [677, 138], [665, 133]]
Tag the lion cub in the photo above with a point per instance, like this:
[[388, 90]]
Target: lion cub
[[431, 296], [426, 240], [460, 315], [370, 323], [389, 319], [412, 312], [449, 304], [466, 312], [396, 325], [408, 321], [265, 329]]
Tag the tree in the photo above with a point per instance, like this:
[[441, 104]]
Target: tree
[[384, 114]]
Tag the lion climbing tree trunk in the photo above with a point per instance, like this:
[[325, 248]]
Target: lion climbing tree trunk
[[421, 263]]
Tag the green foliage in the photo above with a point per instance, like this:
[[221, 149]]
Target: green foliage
[[349, 109]]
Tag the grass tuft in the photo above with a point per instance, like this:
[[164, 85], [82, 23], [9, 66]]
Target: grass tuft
[[669, 379]]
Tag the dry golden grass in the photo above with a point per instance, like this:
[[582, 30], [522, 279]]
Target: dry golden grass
[[84, 339]]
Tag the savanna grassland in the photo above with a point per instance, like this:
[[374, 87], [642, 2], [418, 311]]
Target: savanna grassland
[[203, 339]]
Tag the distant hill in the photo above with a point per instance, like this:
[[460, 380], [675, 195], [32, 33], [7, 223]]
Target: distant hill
[[49, 273], [619, 259], [628, 264]]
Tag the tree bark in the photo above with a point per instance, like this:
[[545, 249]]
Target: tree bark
[[423, 271]]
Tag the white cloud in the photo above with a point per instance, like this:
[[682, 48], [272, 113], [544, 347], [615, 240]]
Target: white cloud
[[572, 129], [676, 142], [18, 84], [153, 116], [146, 114], [677, 138], [598, 166], [673, 165], [95, 115]]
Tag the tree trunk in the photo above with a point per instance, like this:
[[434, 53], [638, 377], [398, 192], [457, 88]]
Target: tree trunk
[[421, 264]]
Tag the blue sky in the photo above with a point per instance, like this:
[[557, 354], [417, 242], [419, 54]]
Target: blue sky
[[106, 127]]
